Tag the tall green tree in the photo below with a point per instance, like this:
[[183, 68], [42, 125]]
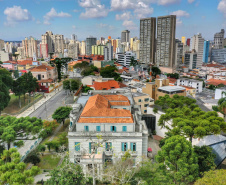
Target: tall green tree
[[12, 171], [213, 177], [205, 158], [183, 119], [155, 71], [11, 127], [59, 64], [4, 96], [67, 174], [74, 85], [222, 106], [18, 88], [178, 156], [133, 62], [16, 74], [61, 114]]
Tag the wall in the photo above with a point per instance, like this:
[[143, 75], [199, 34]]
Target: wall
[[105, 127], [170, 95], [142, 103], [87, 81]]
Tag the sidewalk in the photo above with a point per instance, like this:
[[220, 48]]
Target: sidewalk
[[47, 96]]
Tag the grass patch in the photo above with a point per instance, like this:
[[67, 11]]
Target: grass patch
[[49, 162], [13, 106]]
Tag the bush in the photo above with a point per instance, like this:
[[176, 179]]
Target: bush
[[41, 148], [33, 158], [155, 110], [19, 143]]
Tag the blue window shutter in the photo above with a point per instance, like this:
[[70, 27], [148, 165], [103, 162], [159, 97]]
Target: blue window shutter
[[77, 146], [87, 128], [124, 108], [135, 149], [110, 145], [122, 146], [90, 148], [126, 146], [124, 128], [111, 128], [131, 146], [106, 146], [84, 128], [115, 129], [98, 128]]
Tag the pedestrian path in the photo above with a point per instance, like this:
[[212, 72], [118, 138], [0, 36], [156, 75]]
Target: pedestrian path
[[46, 97]]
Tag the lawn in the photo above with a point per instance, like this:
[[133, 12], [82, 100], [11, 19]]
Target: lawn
[[49, 162], [13, 107]]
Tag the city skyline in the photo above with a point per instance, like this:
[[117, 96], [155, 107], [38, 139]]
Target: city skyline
[[100, 18]]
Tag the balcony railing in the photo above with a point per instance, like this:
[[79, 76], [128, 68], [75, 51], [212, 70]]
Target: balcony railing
[[109, 153]]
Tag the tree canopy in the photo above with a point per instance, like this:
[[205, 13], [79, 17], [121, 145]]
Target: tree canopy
[[12, 171], [110, 72], [133, 62], [59, 63], [12, 127], [213, 177], [173, 75], [61, 114], [179, 157], [155, 71], [186, 119]]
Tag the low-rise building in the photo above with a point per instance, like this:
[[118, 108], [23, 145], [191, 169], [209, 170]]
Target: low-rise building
[[143, 100], [190, 91], [220, 93], [198, 85], [4, 56], [103, 63], [125, 59], [109, 117], [170, 90]]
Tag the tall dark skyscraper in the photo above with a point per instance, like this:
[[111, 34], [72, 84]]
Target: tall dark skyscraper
[[147, 40], [90, 41], [165, 48], [125, 36]]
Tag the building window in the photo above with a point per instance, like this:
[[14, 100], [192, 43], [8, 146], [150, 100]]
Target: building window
[[124, 128], [124, 147], [92, 147], [139, 100], [146, 105], [145, 111], [77, 146], [124, 108], [113, 128], [42, 76], [86, 128], [133, 147], [98, 128], [108, 146], [77, 160], [70, 123], [146, 99]]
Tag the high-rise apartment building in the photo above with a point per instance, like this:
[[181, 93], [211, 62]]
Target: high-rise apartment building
[[74, 37], [190, 60], [98, 49], [188, 42], [147, 40], [179, 53], [108, 51], [114, 44], [72, 49], [219, 39], [83, 48], [30, 47], [2, 44], [165, 50], [183, 40], [102, 40], [55, 43], [131, 44], [197, 44], [206, 51], [125, 36], [90, 41]]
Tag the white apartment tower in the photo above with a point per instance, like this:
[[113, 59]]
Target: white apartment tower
[[165, 51], [198, 45]]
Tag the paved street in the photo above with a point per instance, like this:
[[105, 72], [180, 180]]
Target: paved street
[[47, 109]]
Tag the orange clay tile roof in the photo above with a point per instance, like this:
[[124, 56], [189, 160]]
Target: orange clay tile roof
[[111, 84], [41, 68], [187, 87], [172, 80], [25, 62], [215, 82], [45, 81], [98, 110], [121, 71], [214, 65], [74, 62]]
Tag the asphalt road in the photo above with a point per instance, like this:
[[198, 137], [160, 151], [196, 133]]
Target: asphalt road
[[46, 111]]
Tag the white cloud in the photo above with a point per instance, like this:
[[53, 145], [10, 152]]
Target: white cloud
[[179, 22], [123, 16], [96, 12], [93, 9], [222, 7], [168, 2], [53, 14], [143, 10], [191, 1], [129, 25], [16, 14], [180, 13], [73, 26], [123, 4]]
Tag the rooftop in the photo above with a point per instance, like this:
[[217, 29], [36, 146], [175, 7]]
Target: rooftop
[[137, 94], [110, 84], [98, 110], [41, 68], [215, 82], [171, 88]]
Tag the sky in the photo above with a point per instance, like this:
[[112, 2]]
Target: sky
[[24, 18]]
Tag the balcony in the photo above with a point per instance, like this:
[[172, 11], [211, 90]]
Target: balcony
[[108, 153], [77, 153], [133, 153]]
